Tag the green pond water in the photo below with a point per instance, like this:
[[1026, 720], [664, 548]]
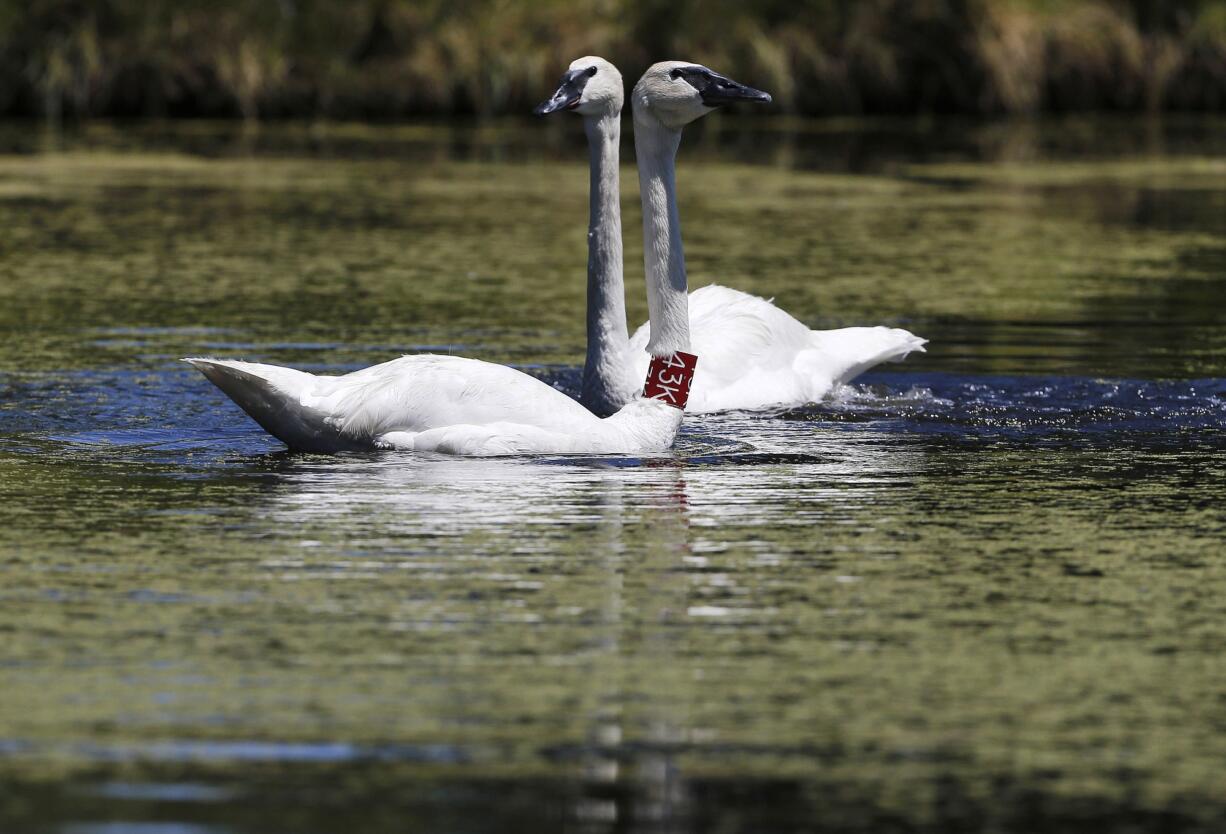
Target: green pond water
[[983, 590]]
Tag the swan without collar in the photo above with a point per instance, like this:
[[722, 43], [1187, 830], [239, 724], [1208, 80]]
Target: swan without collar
[[468, 407], [754, 355]]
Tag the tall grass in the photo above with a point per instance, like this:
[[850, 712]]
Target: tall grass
[[393, 58]]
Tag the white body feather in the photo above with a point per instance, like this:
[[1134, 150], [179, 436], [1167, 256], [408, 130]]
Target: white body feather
[[437, 404]]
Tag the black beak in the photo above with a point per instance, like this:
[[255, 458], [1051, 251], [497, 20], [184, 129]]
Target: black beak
[[717, 89], [723, 90], [568, 94]]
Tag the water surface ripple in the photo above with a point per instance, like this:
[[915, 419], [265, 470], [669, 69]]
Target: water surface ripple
[[982, 590]]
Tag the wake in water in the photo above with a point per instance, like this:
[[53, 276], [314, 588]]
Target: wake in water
[[170, 413], [1031, 409]]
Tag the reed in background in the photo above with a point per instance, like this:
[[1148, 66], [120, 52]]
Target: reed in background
[[355, 59]]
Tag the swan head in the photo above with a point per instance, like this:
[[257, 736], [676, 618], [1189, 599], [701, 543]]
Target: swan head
[[590, 86], [678, 92]]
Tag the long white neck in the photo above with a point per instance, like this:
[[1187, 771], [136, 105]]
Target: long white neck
[[605, 371], [655, 146]]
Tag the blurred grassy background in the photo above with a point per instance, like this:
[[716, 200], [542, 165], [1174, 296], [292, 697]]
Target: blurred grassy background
[[354, 59]]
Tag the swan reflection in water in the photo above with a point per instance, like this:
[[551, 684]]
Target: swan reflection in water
[[784, 474], [632, 543]]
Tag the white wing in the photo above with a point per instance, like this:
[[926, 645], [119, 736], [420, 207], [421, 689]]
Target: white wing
[[751, 354]]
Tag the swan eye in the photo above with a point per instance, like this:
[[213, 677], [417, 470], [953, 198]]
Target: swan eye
[[697, 77], [591, 71]]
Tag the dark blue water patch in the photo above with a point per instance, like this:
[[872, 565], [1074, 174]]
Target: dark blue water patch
[[149, 595], [243, 750], [564, 378], [12, 746], [161, 791], [1047, 410], [174, 416], [140, 827], [123, 413], [101, 400]]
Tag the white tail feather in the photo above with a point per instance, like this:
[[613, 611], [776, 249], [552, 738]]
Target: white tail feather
[[851, 351], [273, 397]]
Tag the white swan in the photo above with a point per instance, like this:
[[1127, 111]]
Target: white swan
[[464, 406], [754, 355]]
